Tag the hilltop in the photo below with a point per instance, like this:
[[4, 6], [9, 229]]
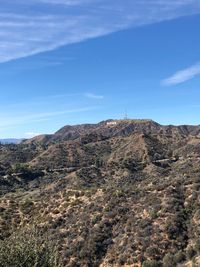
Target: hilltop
[[116, 193]]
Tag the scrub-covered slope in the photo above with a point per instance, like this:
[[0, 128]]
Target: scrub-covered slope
[[112, 194]]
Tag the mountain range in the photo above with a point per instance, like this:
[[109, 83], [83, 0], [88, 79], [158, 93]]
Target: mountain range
[[116, 193], [10, 141]]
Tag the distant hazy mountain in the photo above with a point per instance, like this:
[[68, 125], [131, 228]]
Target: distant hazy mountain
[[10, 141]]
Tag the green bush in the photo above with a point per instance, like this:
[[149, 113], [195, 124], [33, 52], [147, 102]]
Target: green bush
[[168, 260], [26, 206], [190, 252], [20, 167], [28, 248], [150, 263], [179, 257], [197, 245]]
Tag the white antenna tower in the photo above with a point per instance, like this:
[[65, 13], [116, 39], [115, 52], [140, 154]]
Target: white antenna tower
[[126, 116]]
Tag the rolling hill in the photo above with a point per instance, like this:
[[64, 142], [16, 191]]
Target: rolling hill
[[111, 194]]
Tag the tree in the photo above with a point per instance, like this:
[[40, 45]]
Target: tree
[[28, 248], [168, 260]]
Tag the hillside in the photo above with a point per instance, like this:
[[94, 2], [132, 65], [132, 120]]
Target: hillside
[[116, 193]]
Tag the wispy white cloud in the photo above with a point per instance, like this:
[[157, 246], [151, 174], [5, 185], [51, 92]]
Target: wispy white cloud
[[39, 103], [38, 117], [183, 75], [64, 22], [66, 2], [93, 96]]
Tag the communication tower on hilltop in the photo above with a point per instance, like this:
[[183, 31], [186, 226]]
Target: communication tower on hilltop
[[125, 115]]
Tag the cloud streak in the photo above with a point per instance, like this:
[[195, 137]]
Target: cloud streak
[[93, 96], [38, 117], [65, 2], [64, 22], [40, 103], [183, 75]]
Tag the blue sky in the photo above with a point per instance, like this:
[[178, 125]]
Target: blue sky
[[83, 61]]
